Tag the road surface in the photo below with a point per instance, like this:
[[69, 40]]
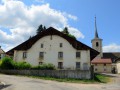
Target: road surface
[[25, 83]]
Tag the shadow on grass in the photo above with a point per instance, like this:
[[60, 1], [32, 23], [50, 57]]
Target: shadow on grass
[[101, 78]]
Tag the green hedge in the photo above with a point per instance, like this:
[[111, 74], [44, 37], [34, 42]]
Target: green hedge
[[8, 63], [21, 65], [44, 67]]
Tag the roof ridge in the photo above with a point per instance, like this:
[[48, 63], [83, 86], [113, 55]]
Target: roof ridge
[[52, 31]]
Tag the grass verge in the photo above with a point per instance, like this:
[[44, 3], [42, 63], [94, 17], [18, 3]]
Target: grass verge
[[102, 78], [99, 78]]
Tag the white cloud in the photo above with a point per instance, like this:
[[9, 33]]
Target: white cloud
[[111, 48], [75, 32], [22, 21], [70, 16]]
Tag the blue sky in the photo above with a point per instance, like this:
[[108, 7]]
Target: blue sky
[[78, 15]]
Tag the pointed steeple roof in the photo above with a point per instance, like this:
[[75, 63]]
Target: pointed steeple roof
[[96, 33]]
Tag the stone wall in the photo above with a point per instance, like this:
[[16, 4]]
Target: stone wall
[[77, 74]]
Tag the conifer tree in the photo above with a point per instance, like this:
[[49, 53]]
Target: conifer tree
[[40, 29], [65, 30]]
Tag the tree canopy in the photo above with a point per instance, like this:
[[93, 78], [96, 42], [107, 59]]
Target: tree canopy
[[65, 31], [40, 29]]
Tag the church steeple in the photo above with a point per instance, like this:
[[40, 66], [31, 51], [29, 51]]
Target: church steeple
[[96, 33], [97, 42]]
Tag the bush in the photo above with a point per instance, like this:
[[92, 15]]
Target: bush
[[50, 67], [22, 65], [44, 67], [72, 36], [0, 62], [7, 63]]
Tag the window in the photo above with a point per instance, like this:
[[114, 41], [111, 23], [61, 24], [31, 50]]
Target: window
[[60, 54], [60, 65], [77, 54], [97, 44], [40, 63], [95, 69], [41, 45], [51, 37], [41, 55], [61, 45], [104, 69], [85, 66], [77, 65], [104, 64], [24, 54]]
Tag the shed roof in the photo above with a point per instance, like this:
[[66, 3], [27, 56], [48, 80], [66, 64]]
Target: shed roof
[[101, 61]]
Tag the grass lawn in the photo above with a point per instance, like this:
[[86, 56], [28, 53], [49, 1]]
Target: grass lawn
[[102, 78]]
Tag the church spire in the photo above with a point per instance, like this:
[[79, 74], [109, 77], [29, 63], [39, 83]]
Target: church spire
[[96, 33]]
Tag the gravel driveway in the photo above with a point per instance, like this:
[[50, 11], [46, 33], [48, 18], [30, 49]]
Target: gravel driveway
[[25, 83]]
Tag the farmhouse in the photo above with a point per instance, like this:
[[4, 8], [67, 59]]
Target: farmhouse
[[52, 46]]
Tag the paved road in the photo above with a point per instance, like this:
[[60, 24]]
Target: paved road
[[25, 83]]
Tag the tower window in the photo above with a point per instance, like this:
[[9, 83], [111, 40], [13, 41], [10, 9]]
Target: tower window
[[97, 44]]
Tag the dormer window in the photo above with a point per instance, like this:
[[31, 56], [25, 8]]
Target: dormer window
[[97, 44]]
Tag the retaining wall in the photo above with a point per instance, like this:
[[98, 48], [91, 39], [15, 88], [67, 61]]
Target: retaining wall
[[77, 74]]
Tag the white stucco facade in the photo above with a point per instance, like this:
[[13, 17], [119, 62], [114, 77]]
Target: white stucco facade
[[51, 47], [118, 66]]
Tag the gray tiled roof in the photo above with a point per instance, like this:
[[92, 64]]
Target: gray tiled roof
[[113, 55]]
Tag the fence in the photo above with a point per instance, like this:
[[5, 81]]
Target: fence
[[77, 74]]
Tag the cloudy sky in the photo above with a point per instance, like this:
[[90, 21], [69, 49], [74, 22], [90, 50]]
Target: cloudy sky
[[19, 20]]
